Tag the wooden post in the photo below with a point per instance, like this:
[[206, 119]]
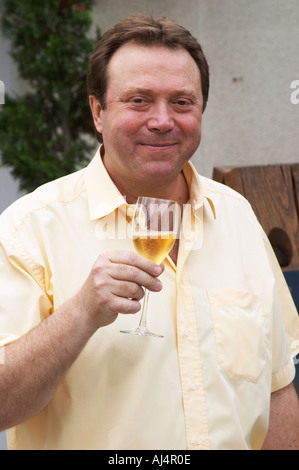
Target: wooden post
[[273, 192]]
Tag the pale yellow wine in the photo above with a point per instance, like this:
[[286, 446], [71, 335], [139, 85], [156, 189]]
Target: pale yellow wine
[[154, 246]]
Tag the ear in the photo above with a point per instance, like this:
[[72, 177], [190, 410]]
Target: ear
[[96, 110]]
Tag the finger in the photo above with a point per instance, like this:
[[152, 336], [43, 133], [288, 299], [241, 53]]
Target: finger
[[129, 290], [134, 275], [134, 259], [127, 306]]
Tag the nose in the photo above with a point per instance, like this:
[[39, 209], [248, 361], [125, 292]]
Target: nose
[[160, 119]]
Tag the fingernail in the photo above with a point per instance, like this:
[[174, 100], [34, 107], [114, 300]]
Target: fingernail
[[158, 285], [157, 270]]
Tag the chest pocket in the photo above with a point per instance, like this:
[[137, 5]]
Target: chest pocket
[[240, 333]]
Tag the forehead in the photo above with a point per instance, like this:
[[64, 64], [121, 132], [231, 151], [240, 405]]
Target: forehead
[[133, 63]]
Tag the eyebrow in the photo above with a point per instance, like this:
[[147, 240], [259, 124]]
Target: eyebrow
[[148, 91]]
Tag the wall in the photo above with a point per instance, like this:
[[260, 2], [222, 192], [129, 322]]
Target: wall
[[253, 51]]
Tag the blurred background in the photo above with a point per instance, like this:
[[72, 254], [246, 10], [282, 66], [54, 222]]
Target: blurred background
[[253, 52]]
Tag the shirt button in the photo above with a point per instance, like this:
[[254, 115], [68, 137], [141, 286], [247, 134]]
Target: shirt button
[[193, 386], [186, 332], [198, 441]]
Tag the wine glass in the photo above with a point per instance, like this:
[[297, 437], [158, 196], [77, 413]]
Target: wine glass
[[155, 227]]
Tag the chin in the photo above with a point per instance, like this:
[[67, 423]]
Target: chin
[[161, 169]]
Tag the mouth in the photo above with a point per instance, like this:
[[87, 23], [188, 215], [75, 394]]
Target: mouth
[[159, 146]]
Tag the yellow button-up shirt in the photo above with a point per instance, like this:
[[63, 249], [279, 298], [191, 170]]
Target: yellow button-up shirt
[[227, 317]]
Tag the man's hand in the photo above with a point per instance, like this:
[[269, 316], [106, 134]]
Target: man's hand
[[115, 285]]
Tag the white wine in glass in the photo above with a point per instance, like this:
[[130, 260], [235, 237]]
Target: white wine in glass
[[155, 227]]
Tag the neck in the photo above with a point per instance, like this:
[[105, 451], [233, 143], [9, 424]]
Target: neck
[[176, 190]]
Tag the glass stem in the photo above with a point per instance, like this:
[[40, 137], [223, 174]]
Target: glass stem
[[142, 323]]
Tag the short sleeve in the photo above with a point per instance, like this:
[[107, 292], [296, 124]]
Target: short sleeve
[[24, 302], [285, 328]]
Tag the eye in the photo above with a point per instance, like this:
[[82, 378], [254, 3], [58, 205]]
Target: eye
[[138, 102], [183, 104]]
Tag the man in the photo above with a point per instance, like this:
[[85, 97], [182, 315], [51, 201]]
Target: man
[[70, 280]]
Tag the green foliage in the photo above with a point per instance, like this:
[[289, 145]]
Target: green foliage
[[46, 133]]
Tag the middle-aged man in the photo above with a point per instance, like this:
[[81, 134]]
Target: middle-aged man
[[70, 281]]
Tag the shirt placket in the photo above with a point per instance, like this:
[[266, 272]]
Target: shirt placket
[[190, 361]]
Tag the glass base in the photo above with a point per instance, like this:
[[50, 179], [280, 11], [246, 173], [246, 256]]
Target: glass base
[[142, 332]]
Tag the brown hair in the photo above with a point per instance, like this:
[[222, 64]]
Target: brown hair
[[146, 31]]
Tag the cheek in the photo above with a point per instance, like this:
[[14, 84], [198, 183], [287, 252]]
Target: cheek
[[125, 126], [192, 131], [130, 123]]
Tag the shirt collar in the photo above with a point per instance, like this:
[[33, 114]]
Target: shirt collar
[[104, 197], [196, 189]]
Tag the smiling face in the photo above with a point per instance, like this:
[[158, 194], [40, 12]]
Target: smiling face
[[151, 124]]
